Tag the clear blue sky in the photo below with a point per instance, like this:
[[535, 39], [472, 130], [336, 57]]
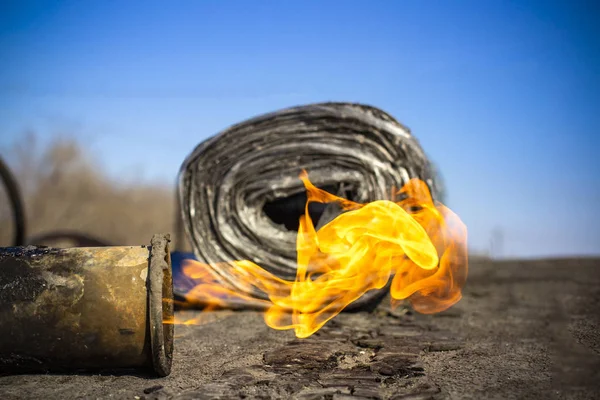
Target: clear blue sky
[[504, 95]]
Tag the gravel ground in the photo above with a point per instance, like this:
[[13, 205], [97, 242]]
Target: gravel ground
[[524, 330]]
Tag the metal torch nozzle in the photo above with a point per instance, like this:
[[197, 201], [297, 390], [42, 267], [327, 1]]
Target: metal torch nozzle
[[86, 308]]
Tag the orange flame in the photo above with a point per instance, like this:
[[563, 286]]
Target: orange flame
[[421, 244]]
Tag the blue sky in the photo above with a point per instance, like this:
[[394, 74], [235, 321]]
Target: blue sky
[[503, 95]]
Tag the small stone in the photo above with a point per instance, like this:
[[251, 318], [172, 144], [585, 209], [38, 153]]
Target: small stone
[[153, 389]]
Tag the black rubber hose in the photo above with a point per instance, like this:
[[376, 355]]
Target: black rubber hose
[[78, 239], [16, 203], [239, 192]]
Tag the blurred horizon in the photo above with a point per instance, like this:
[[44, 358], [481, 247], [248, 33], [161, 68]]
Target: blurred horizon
[[503, 96]]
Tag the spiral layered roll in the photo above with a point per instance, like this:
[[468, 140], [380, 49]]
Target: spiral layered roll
[[239, 192]]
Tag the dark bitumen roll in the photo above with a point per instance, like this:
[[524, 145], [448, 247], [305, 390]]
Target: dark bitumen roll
[[240, 195]]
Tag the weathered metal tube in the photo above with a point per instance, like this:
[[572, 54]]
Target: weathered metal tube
[[86, 308]]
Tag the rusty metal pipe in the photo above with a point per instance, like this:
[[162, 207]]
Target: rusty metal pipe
[[86, 308]]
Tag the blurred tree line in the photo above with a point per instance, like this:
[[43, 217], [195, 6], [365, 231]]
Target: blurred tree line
[[64, 188]]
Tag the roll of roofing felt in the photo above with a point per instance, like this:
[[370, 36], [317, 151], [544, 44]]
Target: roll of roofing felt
[[241, 198]]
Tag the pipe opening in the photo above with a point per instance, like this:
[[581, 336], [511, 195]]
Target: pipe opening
[[168, 308], [160, 301]]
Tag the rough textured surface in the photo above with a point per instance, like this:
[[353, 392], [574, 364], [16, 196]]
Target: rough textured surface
[[239, 191], [79, 307], [523, 330]]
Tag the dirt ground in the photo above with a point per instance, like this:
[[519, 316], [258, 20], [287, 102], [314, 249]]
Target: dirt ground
[[524, 330]]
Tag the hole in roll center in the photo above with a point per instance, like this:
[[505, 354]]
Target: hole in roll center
[[287, 210]]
